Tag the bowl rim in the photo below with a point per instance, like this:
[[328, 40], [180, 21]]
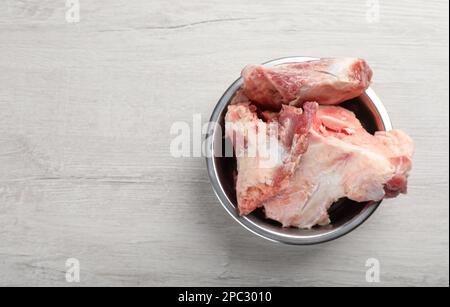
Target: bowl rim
[[247, 223]]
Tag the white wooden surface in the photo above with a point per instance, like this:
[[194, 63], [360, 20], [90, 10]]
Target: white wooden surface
[[85, 116]]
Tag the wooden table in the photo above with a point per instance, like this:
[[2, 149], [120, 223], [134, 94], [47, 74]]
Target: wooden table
[[85, 115]]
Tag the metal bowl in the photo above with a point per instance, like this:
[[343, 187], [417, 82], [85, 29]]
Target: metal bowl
[[345, 215]]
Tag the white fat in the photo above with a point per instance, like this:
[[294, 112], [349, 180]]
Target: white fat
[[339, 68]]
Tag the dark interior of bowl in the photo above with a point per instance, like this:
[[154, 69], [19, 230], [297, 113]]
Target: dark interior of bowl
[[340, 213]]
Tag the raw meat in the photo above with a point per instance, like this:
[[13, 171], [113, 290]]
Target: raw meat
[[342, 160], [326, 81], [267, 152]]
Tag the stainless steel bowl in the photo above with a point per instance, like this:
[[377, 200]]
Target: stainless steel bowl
[[345, 215]]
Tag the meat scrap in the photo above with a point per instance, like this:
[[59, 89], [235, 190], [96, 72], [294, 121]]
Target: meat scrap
[[326, 81], [267, 152], [342, 160]]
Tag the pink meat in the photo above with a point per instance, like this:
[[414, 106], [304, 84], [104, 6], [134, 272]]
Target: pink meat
[[267, 152], [342, 160], [326, 81]]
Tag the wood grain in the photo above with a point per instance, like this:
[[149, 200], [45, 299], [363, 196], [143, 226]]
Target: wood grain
[[85, 116]]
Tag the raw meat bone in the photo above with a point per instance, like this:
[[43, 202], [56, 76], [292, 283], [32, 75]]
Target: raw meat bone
[[342, 160], [267, 152], [326, 81]]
